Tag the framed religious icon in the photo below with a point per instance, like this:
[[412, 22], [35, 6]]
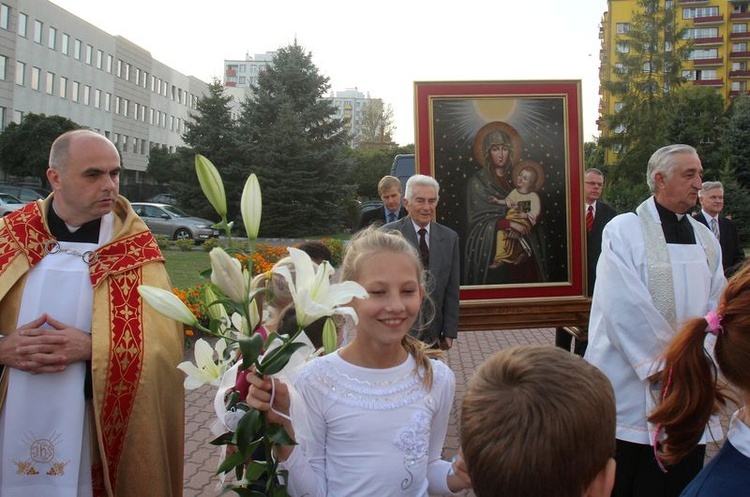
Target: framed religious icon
[[508, 157]]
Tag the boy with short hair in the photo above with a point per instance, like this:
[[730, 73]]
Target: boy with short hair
[[537, 421]]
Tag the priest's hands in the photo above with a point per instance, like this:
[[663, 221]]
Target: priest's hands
[[35, 350]]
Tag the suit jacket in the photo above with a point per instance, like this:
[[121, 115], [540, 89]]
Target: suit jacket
[[603, 214], [442, 282], [732, 253], [377, 216]]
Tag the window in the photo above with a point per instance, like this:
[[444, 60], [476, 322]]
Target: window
[[127, 72], [697, 33], [702, 54], [38, 27], [647, 67], [3, 67], [739, 86], [109, 63], [99, 59], [52, 38], [688, 75], [86, 95], [20, 73], [171, 123], [75, 91], [739, 66], [136, 109], [65, 44], [621, 27], [125, 107], [108, 102], [36, 76], [77, 49], [4, 23], [97, 98], [619, 106], [739, 47], [698, 12], [2, 118], [151, 116], [137, 76], [739, 28], [89, 54], [620, 128], [620, 69], [17, 116], [63, 89], [621, 47], [23, 19], [50, 85], [118, 104], [706, 74], [118, 70]]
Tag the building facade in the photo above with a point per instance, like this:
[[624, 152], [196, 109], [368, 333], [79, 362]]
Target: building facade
[[54, 63], [718, 58]]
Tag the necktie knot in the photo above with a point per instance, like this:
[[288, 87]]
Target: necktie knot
[[391, 217], [715, 227]]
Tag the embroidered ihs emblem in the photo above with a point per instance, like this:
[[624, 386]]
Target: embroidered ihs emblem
[[41, 453]]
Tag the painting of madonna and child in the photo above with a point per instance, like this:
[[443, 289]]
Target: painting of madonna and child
[[508, 160]]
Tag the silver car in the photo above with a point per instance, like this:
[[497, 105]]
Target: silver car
[[165, 219], [9, 203]]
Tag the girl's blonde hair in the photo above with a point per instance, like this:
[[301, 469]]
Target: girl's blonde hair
[[359, 250]]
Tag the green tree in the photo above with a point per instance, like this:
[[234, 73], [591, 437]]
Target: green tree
[[24, 146], [377, 122], [648, 66], [735, 141], [695, 116], [213, 132], [296, 146]]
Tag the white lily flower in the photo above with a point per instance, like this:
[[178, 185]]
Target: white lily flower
[[254, 315], [206, 369], [211, 184], [251, 206], [314, 295], [218, 311], [167, 304], [226, 273]]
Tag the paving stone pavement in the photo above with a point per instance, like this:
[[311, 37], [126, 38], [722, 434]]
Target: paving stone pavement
[[472, 347]]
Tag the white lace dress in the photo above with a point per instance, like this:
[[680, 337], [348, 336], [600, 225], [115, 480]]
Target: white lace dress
[[365, 432]]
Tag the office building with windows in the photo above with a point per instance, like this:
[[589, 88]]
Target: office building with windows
[[54, 63], [719, 54]]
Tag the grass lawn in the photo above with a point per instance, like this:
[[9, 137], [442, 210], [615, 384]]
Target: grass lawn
[[185, 268]]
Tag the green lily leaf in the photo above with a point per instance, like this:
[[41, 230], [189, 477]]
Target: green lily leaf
[[278, 434], [254, 470], [250, 347], [230, 462], [247, 428], [279, 358], [224, 439]]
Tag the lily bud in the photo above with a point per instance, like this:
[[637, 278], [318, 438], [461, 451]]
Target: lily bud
[[211, 184], [330, 337], [226, 273], [251, 206], [168, 304], [217, 312]]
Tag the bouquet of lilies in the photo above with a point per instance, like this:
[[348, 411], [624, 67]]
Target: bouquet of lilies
[[229, 292]]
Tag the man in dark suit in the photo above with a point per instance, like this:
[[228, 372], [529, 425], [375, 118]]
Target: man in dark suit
[[389, 189], [438, 248], [597, 213], [711, 198]]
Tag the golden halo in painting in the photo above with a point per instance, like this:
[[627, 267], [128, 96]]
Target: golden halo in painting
[[484, 131], [540, 176]]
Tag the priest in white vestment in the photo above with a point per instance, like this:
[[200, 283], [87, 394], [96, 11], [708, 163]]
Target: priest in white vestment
[[658, 268]]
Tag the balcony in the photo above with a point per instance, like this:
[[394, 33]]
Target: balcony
[[739, 15], [691, 2], [739, 74], [709, 82], [737, 93], [739, 36], [704, 21], [713, 40], [708, 62], [231, 72], [739, 55]]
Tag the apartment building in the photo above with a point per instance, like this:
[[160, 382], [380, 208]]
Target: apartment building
[[55, 63], [719, 55]]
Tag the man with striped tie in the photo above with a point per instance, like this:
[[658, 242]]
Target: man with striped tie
[[598, 214], [711, 198], [389, 189]]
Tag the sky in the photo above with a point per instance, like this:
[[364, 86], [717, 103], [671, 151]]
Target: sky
[[380, 48]]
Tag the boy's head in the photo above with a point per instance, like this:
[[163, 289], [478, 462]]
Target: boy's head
[[526, 180], [539, 421]]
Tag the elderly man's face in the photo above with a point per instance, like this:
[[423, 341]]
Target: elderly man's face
[[713, 201], [421, 207], [678, 190]]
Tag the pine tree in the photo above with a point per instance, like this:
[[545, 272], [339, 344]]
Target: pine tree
[[735, 139], [648, 66], [296, 146]]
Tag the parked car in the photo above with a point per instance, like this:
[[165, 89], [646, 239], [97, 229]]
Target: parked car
[[368, 205], [22, 193], [403, 168], [9, 203], [165, 219], [162, 198]]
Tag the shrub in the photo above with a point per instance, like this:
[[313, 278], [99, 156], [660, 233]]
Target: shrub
[[185, 245], [210, 244], [163, 242], [336, 247]]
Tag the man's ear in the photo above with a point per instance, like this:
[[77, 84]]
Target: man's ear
[[53, 177], [603, 481]]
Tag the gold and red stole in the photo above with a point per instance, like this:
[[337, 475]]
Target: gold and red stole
[[120, 397]]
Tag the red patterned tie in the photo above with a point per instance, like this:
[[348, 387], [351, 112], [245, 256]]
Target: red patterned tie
[[590, 219]]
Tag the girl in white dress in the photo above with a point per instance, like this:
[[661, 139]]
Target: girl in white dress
[[371, 418]]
